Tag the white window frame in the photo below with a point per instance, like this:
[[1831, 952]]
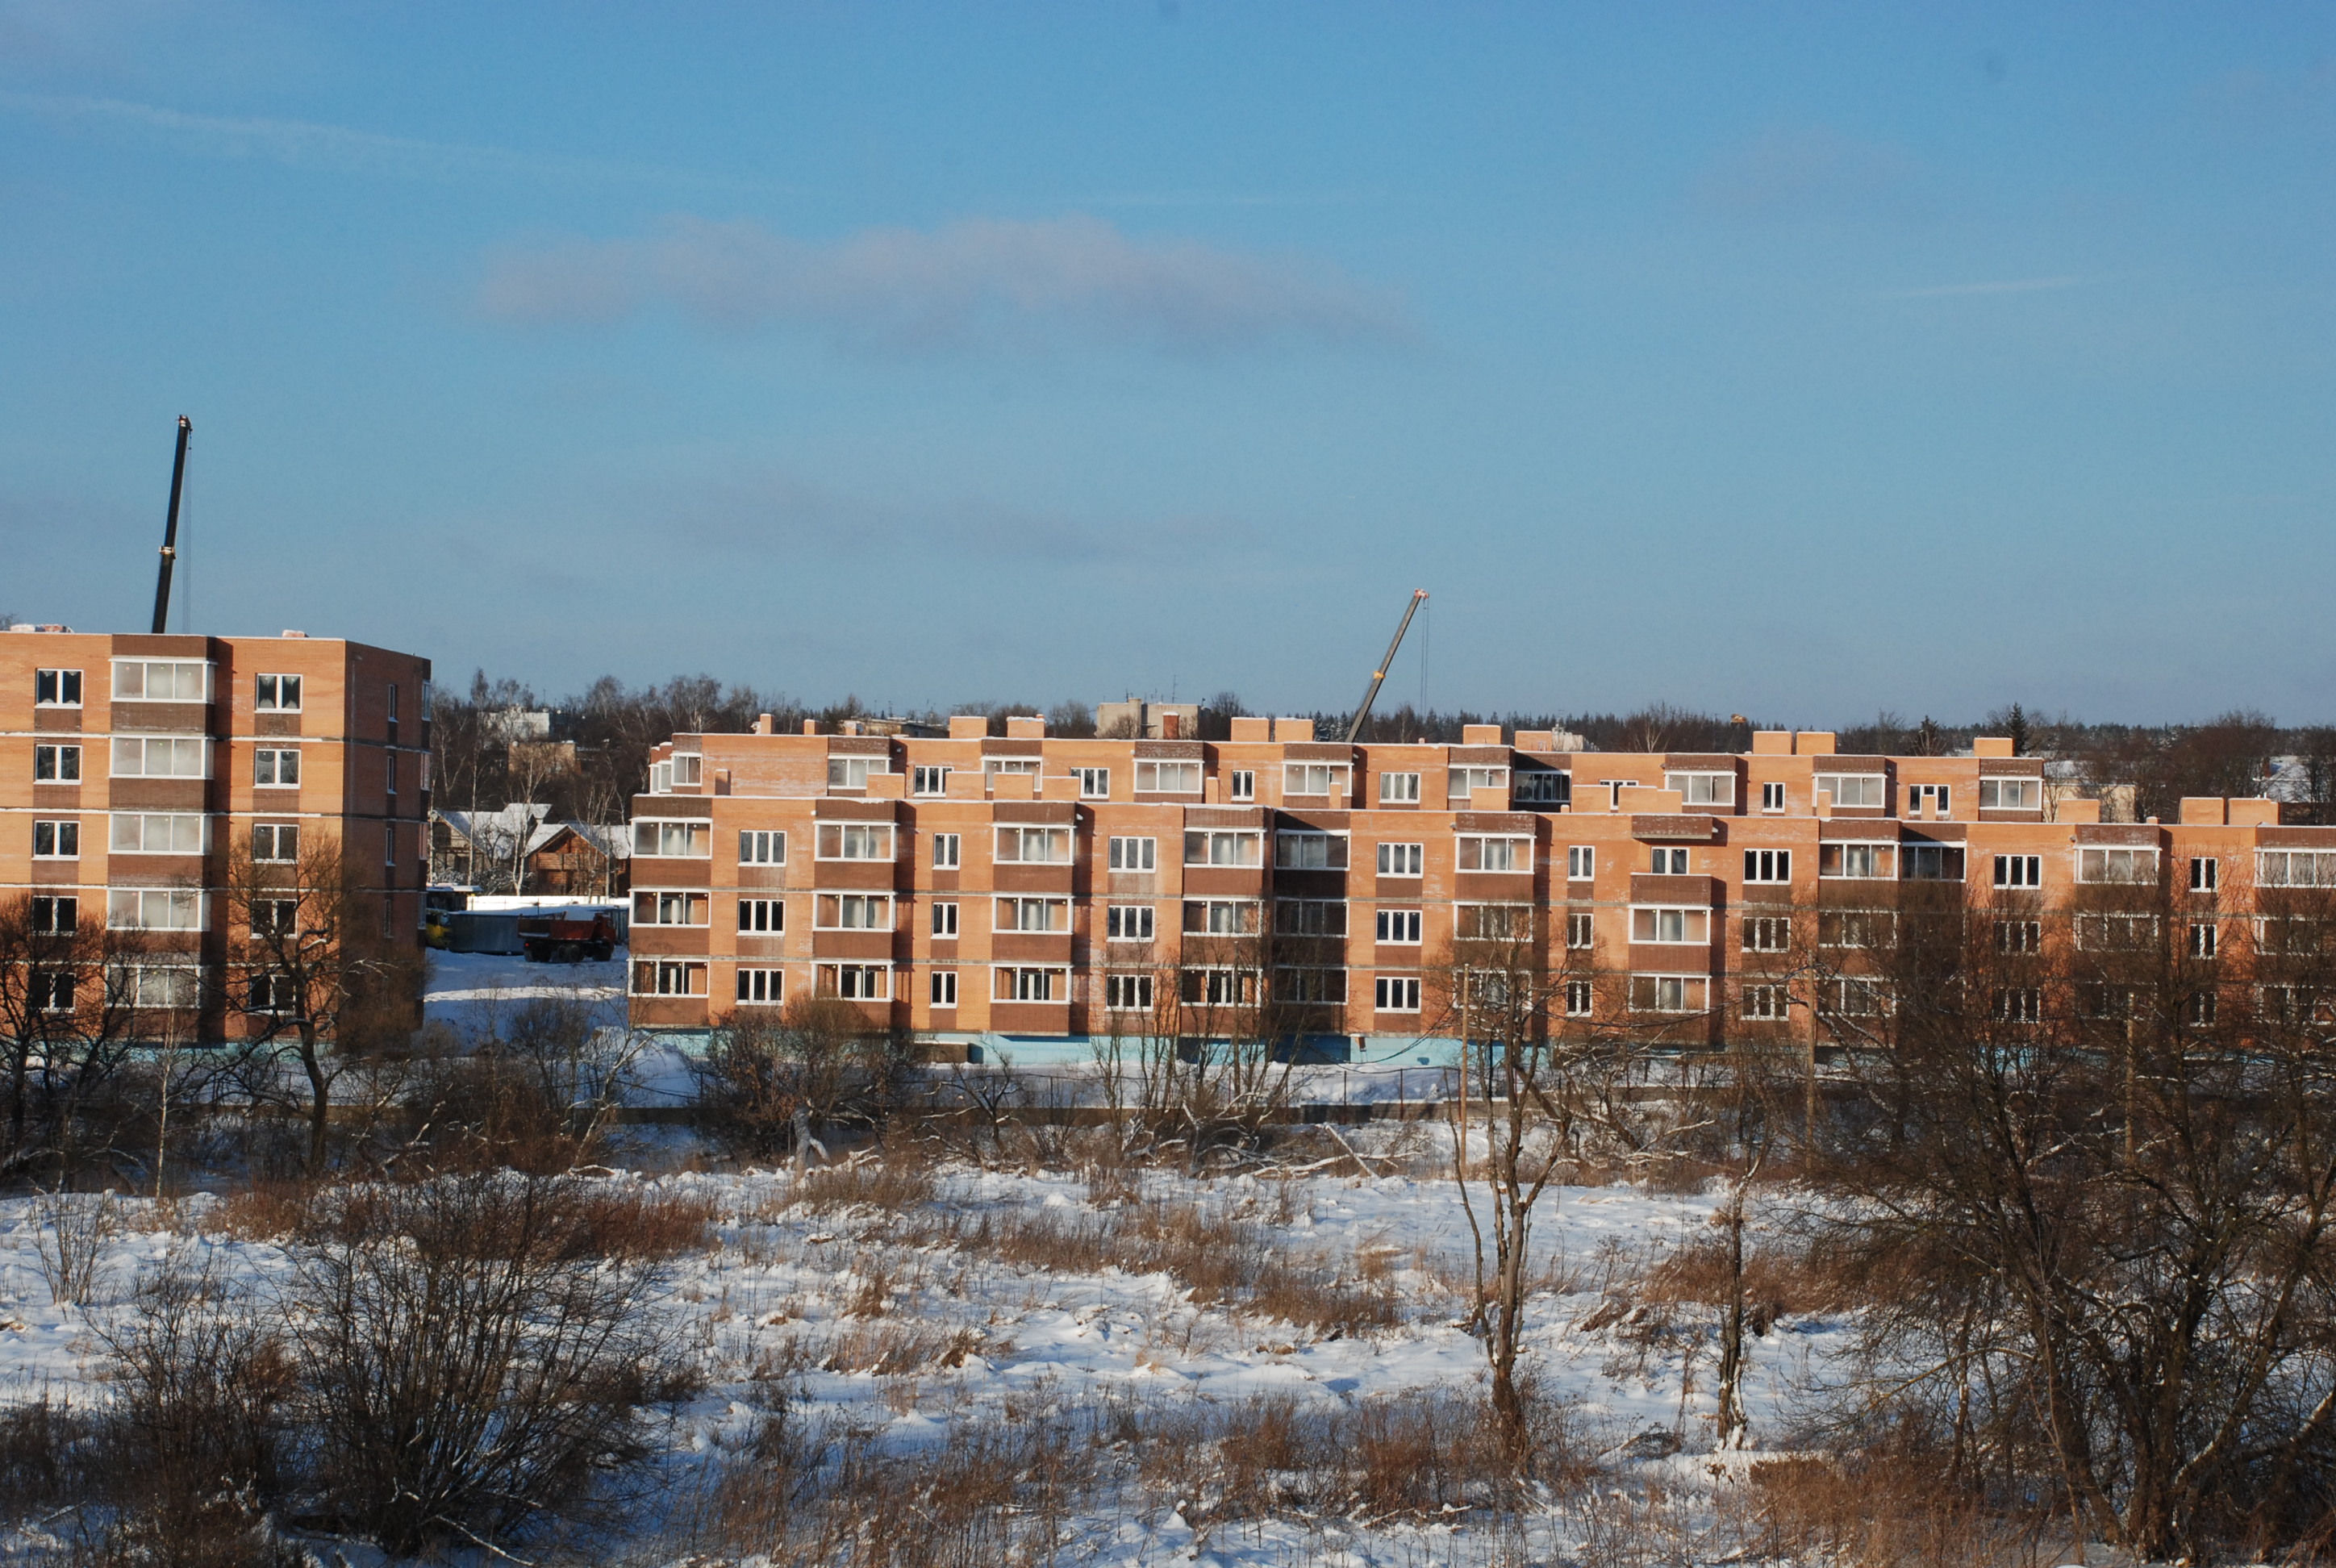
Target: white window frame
[[2103, 858], [1580, 862], [2019, 936], [761, 985], [47, 907], [1242, 784], [861, 841], [1911, 855], [127, 985], [267, 768], [1767, 933], [2027, 790], [1301, 841], [942, 991], [145, 666], [1296, 917], [63, 762], [1395, 993], [1249, 844], [1581, 932], [1131, 853], [762, 916], [1236, 909], [268, 692], [2115, 931], [1772, 796], [929, 779], [59, 832], [1402, 859], [679, 970], [1463, 780], [2279, 867], [281, 846], [992, 766], [948, 851], [2205, 937], [1702, 789], [1542, 787], [1478, 915], [860, 977], [175, 826], [1667, 861], [1129, 922], [1095, 783], [2205, 873], [141, 749], [1670, 925], [1399, 789], [1183, 771], [1399, 928], [1299, 778], [63, 681], [1940, 796], [1517, 849], [1872, 790], [1768, 866], [1669, 995], [1021, 837], [1006, 910], [944, 921], [876, 911], [685, 900], [762, 847], [2022, 872], [1763, 1004], [1876, 854], [141, 904], [1579, 999], [673, 838], [1017, 981], [1127, 993], [844, 771]]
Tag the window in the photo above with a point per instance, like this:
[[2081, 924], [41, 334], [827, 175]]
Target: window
[[2116, 933], [1543, 787], [56, 764], [1032, 915], [682, 840], [2204, 872], [944, 989], [668, 977], [283, 767], [1852, 999], [154, 986], [1768, 933], [1768, 865], [1667, 993], [1223, 849], [161, 680], [1245, 782], [1127, 993], [948, 850], [854, 841], [1401, 859], [1033, 846], [274, 917], [1772, 798], [761, 916], [945, 919], [2105, 1002], [1931, 863], [157, 757], [2011, 794], [1484, 853], [1461, 782], [56, 688], [52, 991], [389, 786], [2295, 868], [1396, 994], [2102, 865], [57, 841], [991, 766], [1581, 864], [276, 693], [760, 988], [1170, 777], [1581, 932], [1856, 929], [2201, 939], [1765, 1004], [391, 707], [1852, 789], [1218, 987], [850, 772], [1030, 985], [1670, 925], [1398, 789], [1220, 917], [2293, 1004], [1310, 918], [1135, 854], [2018, 936], [1399, 926], [2019, 1005], [762, 847], [1577, 998], [1931, 798], [1703, 789], [1309, 851], [2020, 871], [1864, 862], [1128, 923], [856, 982], [2198, 1008], [1095, 783], [157, 834], [55, 917], [154, 908], [1311, 987], [1668, 862], [852, 912], [651, 908], [1313, 778], [1491, 922], [660, 778], [929, 779]]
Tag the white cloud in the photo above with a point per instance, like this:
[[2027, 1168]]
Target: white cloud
[[981, 281]]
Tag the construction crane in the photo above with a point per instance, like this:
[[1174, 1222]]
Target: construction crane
[[170, 531], [1378, 675]]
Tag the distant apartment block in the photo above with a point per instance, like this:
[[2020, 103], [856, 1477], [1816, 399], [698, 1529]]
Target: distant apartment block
[[133, 767], [1047, 889]]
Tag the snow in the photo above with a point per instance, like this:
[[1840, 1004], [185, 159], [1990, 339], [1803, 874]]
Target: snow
[[777, 1290]]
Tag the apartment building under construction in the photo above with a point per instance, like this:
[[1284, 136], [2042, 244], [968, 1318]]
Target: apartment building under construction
[[1028, 890], [134, 769]]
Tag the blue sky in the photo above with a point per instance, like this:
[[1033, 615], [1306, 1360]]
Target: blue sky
[[1795, 361]]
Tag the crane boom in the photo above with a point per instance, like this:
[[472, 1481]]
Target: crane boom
[[170, 531], [1378, 675]]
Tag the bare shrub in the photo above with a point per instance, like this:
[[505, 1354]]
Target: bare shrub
[[900, 1180], [68, 1247], [770, 1086], [46, 1463], [1884, 1508], [471, 1364], [265, 1210]]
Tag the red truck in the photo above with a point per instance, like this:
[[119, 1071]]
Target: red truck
[[565, 938]]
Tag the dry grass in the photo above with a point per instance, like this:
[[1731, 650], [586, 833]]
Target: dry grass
[[1879, 1508]]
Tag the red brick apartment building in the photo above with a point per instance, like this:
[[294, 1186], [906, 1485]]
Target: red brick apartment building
[[133, 767], [1045, 888]]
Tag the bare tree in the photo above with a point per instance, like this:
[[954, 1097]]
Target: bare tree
[[68, 1023]]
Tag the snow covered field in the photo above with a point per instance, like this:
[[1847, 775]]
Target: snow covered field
[[897, 1323]]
